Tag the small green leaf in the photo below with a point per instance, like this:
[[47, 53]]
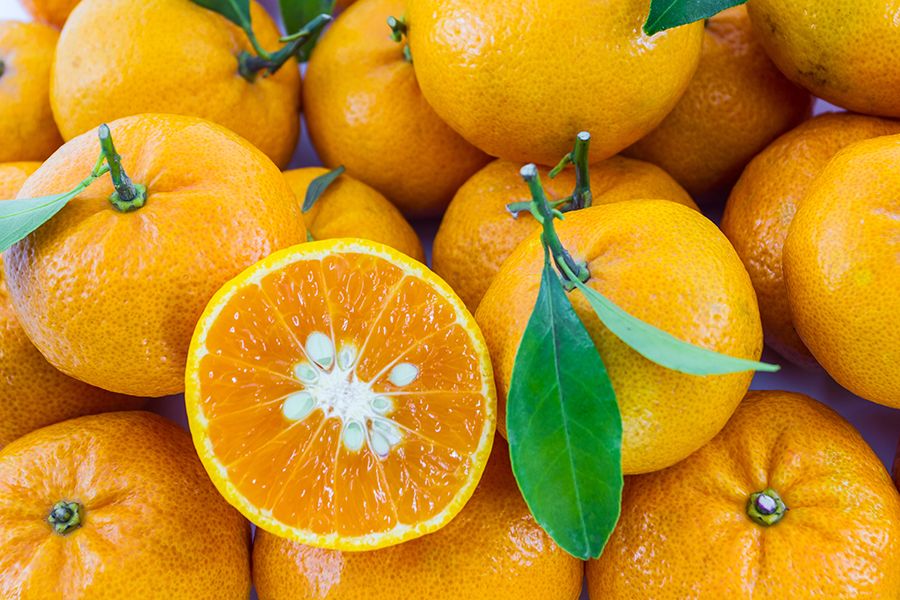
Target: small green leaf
[[236, 11], [18, 218], [318, 186], [564, 427], [662, 348], [666, 14], [297, 13]]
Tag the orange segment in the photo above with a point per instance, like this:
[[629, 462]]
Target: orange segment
[[340, 395]]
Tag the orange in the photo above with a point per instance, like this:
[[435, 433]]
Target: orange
[[13, 175], [764, 201], [351, 209], [669, 266], [687, 531], [478, 232], [52, 12], [143, 519], [171, 56], [112, 297], [737, 103], [26, 121], [340, 395], [365, 111], [842, 269], [519, 79], [493, 550], [844, 53]]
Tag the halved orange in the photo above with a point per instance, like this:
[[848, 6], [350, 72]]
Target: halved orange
[[340, 394]]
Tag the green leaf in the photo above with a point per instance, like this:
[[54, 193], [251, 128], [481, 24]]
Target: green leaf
[[236, 11], [663, 348], [318, 186], [18, 218], [564, 427], [297, 13], [666, 14]]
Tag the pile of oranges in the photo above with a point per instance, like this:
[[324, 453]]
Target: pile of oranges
[[347, 403]]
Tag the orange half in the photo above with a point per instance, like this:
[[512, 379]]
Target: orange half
[[340, 395]]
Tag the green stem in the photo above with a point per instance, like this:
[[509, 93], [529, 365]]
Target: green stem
[[65, 517], [249, 66], [581, 196], [2, 68], [766, 508], [128, 196], [399, 30]]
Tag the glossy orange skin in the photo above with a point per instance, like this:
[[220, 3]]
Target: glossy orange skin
[[763, 204], [520, 78], [152, 526], [365, 111], [737, 103], [669, 266], [175, 57], [351, 209], [842, 269], [492, 550], [52, 12], [112, 298], [478, 233], [685, 533], [27, 130]]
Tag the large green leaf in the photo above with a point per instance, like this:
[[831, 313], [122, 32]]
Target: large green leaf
[[236, 11], [18, 218], [297, 13], [663, 348], [564, 427], [666, 14]]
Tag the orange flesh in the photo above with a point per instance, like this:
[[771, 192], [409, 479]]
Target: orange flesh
[[302, 471]]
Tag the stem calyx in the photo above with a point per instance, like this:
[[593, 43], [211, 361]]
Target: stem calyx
[[250, 65], [65, 516], [766, 508], [399, 30], [128, 195]]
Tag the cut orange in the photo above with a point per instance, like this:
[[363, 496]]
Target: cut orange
[[340, 395]]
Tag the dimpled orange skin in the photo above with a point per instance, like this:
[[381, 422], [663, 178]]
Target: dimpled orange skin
[[171, 56], [153, 525], [685, 533], [26, 121], [364, 110], [668, 266], [478, 232], [52, 12], [351, 209], [844, 53], [842, 269], [547, 69], [492, 550], [737, 103], [112, 298], [764, 202]]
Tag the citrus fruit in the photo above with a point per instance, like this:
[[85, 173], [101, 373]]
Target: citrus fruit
[[111, 297], [842, 269], [844, 53], [365, 111], [787, 502], [765, 200], [351, 209], [520, 80], [171, 56], [493, 550], [477, 232], [340, 395], [668, 266], [13, 175], [737, 103], [52, 12], [116, 506], [26, 121]]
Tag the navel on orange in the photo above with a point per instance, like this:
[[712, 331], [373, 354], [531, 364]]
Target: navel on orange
[[341, 395]]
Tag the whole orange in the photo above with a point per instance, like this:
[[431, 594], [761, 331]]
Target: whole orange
[[116, 506], [365, 111], [112, 297], [701, 529], [669, 266], [493, 550], [765, 200], [27, 130], [351, 209], [171, 56], [842, 269], [52, 12], [478, 233], [737, 103], [519, 79], [843, 52]]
